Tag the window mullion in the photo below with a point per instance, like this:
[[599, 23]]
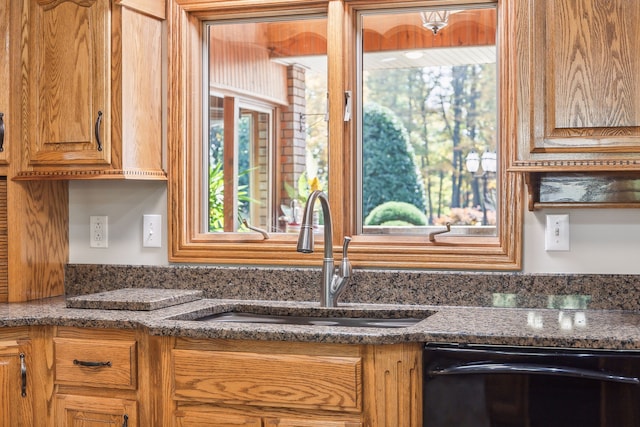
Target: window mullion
[[336, 88], [230, 163]]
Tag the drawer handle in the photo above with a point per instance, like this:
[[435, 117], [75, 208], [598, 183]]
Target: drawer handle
[[23, 374], [97, 130], [1, 132], [91, 364], [125, 421]]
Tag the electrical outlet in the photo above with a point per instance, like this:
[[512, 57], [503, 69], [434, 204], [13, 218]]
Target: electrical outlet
[[152, 231], [98, 231], [557, 233]]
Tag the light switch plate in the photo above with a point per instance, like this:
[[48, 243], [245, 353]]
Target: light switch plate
[[152, 231], [556, 236]]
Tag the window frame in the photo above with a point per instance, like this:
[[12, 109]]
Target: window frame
[[185, 67]]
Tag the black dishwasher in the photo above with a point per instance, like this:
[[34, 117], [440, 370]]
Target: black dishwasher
[[495, 386]]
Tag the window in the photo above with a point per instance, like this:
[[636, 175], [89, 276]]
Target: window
[[246, 150], [265, 144], [428, 108]]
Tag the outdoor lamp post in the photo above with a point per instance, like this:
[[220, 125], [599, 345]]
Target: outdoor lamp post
[[473, 163], [489, 165], [488, 161]]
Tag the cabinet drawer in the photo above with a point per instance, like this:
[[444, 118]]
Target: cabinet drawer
[[285, 422], [276, 380], [95, 363], [214, 418]]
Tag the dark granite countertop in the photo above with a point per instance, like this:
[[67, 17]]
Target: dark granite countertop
[[134, 299], [607, 329]]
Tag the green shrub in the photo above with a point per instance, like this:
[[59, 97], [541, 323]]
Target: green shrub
[[396, 223], [388, 169], [396, 213]]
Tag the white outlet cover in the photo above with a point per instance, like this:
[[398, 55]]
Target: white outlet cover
[[99, 231]]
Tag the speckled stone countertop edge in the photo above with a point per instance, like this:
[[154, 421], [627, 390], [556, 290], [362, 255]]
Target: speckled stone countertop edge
[[139, 299], [589, 329]]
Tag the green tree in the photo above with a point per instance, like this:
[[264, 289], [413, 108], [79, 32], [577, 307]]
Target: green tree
[[447, 110], [388, 169]]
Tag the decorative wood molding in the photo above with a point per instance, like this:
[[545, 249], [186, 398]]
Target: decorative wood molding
[[91, 174], [222, 5], [575, 165], [50, 4]]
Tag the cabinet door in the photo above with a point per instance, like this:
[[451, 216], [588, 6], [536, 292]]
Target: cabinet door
[[578, 84], [69, 61], [5, 75], [15, 407], [88, 411]]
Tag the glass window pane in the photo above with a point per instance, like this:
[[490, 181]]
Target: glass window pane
[[429, 91], [215, 165], [267, 133]]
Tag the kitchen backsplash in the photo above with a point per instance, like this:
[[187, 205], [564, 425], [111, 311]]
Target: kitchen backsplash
[[579, 291]]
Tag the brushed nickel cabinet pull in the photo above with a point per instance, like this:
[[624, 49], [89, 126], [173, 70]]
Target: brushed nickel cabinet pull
[[91, 364], [1, 132], [98, 122], [23, 375]]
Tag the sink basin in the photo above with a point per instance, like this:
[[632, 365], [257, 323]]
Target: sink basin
[[309, 316]]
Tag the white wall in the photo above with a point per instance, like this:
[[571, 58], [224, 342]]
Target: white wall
[[124, 203], [602, 240]]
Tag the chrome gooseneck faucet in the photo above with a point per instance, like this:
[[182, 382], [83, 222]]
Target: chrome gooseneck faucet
[[333, 282]]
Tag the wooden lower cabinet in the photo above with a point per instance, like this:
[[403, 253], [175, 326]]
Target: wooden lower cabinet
[[88, 411], [84, 377], [100, 378], [289, 422], [221, 418], [216, 383], [212, 418], [15, 390]]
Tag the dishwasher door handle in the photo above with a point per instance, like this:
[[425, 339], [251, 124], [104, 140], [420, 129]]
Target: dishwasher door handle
[[532, 369]]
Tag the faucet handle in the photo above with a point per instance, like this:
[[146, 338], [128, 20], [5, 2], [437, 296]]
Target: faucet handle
[[345, 265], [345, 246]]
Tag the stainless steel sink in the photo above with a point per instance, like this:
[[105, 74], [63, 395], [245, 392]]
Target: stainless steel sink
[[309, 316]]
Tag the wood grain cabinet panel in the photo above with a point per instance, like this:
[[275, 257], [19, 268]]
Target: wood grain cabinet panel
[[15, 397], [85, 411], [5, 78], [93, 89], [291, 422], [69, 90], [578, 84], [101, 378], [95, 363], [276, 380], [284, 384], [212, 418]]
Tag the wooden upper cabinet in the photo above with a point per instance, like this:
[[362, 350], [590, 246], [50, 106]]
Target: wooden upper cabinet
[[577, 85], [94, 90], [5, 76], [68, 71]]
